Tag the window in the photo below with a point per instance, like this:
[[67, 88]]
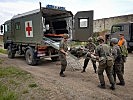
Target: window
[[83, 22], [117, 28], [17, 25], [6, 26]]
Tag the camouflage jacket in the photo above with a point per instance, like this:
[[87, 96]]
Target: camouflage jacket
[[103, 50], [116, 52], [90, 46], [63, 45]]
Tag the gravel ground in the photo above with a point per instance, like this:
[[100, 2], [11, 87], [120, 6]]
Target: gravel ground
[[76, 85]]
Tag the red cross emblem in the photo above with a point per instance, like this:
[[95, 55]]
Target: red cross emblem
[[28, 28]]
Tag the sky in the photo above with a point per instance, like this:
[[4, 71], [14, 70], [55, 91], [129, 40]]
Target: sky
[[102, 8]]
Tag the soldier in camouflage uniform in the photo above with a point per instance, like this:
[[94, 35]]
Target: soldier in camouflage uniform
[[63, 53], [90, 48], [116, 52], [122, 42], [101, 49]]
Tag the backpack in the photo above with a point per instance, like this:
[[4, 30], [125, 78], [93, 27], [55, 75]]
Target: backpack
[[108, 59]]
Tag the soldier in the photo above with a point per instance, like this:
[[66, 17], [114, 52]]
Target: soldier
[[90, 48], [101, 50], [123, 45], [116, 52], [63, 53]]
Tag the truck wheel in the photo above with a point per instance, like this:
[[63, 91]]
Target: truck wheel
[[30, 59], [11, 54], [55, 58]]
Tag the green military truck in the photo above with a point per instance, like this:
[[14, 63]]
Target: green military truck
[[125, 28], [36, 34]]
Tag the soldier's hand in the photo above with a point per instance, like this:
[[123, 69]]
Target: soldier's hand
[[97, 57], [66, 53], [93, 56]]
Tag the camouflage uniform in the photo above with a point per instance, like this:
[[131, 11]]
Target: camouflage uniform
[[100, 52], [122, 42], [116, 52], [62, 56], [91, 48]]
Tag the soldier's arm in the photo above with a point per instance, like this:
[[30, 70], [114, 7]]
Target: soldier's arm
[[94, 47], [61, 47], [97, 52], [114, 53], [125, 43]]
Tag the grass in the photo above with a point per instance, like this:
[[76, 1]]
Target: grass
[[7, 72], [3, 51], [13, 83], [17, 84], [1, 61], [6, 94], [32, 85], [25, 91], [11, 71]]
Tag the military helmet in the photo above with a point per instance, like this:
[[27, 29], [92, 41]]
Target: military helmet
[[100, 38], [66, 36], [114, 40], [90, 39]]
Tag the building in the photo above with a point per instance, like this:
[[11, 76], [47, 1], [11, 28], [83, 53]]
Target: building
[[103, 24]]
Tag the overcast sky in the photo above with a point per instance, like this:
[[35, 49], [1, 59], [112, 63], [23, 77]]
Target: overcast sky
[[102, 8]]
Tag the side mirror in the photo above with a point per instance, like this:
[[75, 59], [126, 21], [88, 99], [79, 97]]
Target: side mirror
[[1, 28]]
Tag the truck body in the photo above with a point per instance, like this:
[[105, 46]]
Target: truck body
[[127, 30], [36, 34]]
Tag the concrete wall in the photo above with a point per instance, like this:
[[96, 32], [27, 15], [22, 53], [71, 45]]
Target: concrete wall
[[106, 23]]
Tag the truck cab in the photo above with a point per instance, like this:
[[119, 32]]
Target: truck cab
[[127, 30]]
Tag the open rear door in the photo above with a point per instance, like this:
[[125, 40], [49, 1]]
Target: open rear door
[[83, 25]]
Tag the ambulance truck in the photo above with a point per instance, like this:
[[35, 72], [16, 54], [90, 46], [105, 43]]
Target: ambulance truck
[[36, 34]]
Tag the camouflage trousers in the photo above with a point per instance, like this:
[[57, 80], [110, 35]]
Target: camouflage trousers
[[87, 59], [124, 60], [108, 72], [117, 71], [63, 60]]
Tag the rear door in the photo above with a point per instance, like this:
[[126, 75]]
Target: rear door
[[83, 25]]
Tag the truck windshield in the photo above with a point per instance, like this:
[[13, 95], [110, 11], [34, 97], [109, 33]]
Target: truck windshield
[[117, 28]]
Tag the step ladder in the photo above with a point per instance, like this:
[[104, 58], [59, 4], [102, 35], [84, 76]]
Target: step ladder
[[51, 43], [72, 62]]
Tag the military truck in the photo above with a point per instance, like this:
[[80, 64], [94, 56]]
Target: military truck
[[125, 28], [36, 34]]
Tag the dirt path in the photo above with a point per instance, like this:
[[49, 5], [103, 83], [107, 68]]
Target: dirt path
[[76, 86]]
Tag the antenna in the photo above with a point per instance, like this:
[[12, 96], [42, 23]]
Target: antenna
[[40, 5]]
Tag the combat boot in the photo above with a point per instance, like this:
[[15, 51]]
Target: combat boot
[[112, 87], [83, 71], [102, 86], [121, 83], [95, 71], [62, 74]]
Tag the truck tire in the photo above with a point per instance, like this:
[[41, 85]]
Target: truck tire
[[30, 58], [11, 54], [55, 58]]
